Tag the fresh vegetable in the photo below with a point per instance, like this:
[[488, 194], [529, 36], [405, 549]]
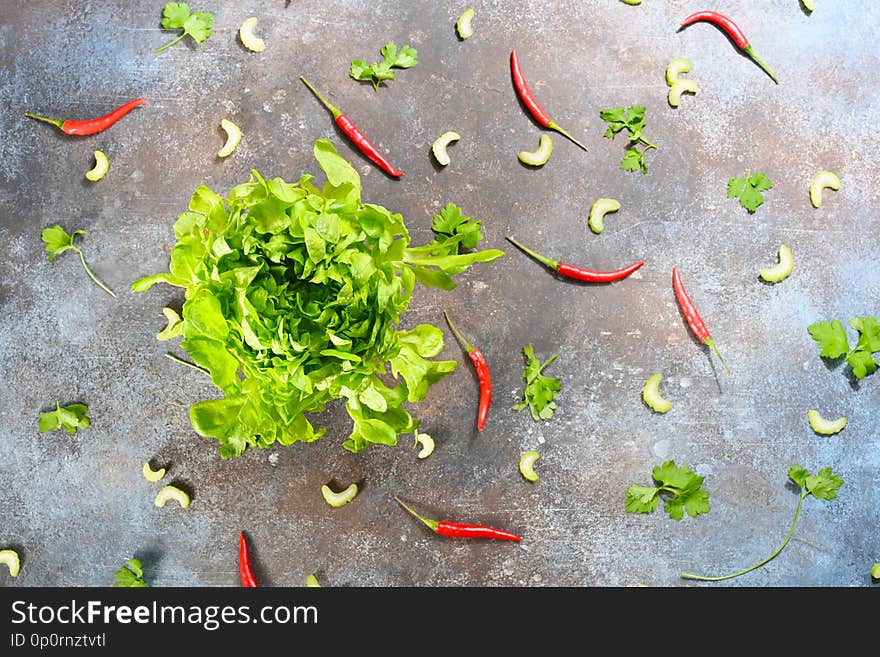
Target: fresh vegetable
[[463, 26], [539, 157], [152, 475], [248, 39], [174, 327], [598, 210], [681, 488], [540, 392], [91, 126], [632, 3], [176, 16], [342, 497], [70, 418], [405, 57], [245, 570], [293, 297], [748, 190], [462, 530], [679, 88], [233, 138], [440, 144], [11, 560], [809, 5], [527, 465], [312, 581], [731, 30], [831, 339], [528, 99], [426, 442], [57, 241], [651, 394], [483, 376], [676, 67], [825, 427], [695, 322], [354, 133], [821, 181], [172, 493], [822, 486], [102, 166], [781, 270], [580, 273], [131, 575], [633, 119], [875, 571]]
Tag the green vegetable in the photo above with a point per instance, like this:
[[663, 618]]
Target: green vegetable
[[809, 5], [248, 39], [748, 190], [463, 26], [177, 16], [632, 3], [102, 166], [426, 442], [440, 144], [541, 390], [150, 474], [539, 157], [527, 465], [675, 68], [11, 560], [405, 57], [57, 241], [174, 327], [294, 297], [233, 138], [781, 270], [679, 87], [875, 571], [342, 497], [70, 418], [633, 120], [832, 342], [821, 181], [598, 210], [131, 575], [822, 486], [822, 426], [312, 581], [169, 493], [651, 394], [680, 486]]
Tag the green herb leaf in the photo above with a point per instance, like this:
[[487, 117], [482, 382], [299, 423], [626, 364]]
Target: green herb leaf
[[633, 119], [130, 575], [70, 418], [405, 57], [541, 390], [831, 338], [177, 16], [681, 488], [824, 485], [832, 342], [748, 190]]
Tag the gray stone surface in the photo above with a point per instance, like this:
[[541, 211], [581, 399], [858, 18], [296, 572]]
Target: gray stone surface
[[77, 506]]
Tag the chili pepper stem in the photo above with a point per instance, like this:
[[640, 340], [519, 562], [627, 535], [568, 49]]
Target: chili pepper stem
[[760, 62], [433, 524], [711, 343], [333, 110], [467, 345], [552, 264], [56, 122], [552, 125]]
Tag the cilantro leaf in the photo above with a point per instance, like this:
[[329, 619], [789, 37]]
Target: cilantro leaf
[[541, 390], [633, 119], [831, 338], [56, 241], [832, 342], [681, 488], [824, 485], [406, 57], [748, 190], [70, 418], [177, 16], [131, 575], [869, 333], [451, 222], [798, 474], [861, 362], [392, 57]]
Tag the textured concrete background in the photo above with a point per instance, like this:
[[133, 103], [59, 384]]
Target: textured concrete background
[[77, 507]]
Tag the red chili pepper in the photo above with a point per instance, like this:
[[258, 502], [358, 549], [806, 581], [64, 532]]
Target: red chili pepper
[[528, 99], [91, 126], [482, 368], [461, 530], [695, 322], [244, 563], [732, 30], [353, 132], [580, 273]]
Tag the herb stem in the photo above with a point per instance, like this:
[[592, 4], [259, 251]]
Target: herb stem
[[187, 363], [804, 493], [168, 45], [91, 275], [647, 143]]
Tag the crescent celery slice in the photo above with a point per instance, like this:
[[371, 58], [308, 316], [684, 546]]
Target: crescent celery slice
[[312, 581], [681, 87], [440, 144], [875, 571], [825, 427], [10, 559], [675, 68], [340, 498], [150, 474], [250, 40], [809, 5], [598, 211], [102, 166], [463, 25], [233, 138], [781, 270], [651, 394], [172, 493], [822, 180], [527, 465], [539, 157], [427, 444]]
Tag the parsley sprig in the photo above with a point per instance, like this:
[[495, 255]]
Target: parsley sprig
[[131, 575], [748, 190], [541, 391], [378, 72], [832, 342], [56, 241], [70, 418], [681, 487], [633, 120], [176, 16]]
